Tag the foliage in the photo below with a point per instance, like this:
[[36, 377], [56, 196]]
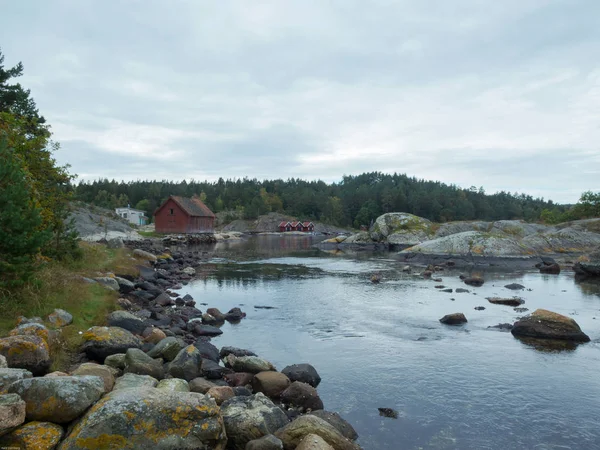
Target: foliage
[[587, 207], [21, 236]]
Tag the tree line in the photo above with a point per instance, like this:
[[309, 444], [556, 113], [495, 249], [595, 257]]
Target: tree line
[[353, 202]]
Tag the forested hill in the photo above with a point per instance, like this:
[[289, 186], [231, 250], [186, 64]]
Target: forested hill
[[354, 201]]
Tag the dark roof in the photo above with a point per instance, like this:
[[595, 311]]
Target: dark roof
[[193, 206]]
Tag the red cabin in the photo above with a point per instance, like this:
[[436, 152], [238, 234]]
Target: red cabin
[[285, 226], [184, 215]]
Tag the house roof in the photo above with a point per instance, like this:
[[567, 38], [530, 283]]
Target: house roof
[[306, 224], [284, 224], [191, 206]]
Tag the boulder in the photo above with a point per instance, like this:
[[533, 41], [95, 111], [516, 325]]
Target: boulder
[[207, 350], [235, 315], [304, 373], [293, 433], [155, 336], [60, 318], [108, 282], [141, 254], [454, 319], [588, 265], [235, 352], [303, 396], [136, 361], [335, 420], [3, 362], [211, 370], [514, 286], [553, 269], [125, 286], [100, 342], [218, 315], [250, 418], [32, 329], [26, 352], [151, 419], [115, 243], [201, 385], [187, 364], [127, 321], [34, 436], [58, 399], [398, 228], [314, 442], [9, 376], [250, 364], [116, 361], [268, 442], [220, 393], [270, 383], [474, 281], [12, 412], [174, 384], [206, 330], [167, 349], [549, 325], [105, 372], [134, 381], [239, 378], [189, 271], [515, 301]]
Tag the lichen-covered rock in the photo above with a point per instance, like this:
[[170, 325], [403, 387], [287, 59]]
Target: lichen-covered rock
[[116, 361], [400, 228], [167, 349], [335, 420], [26, 352], [100, 342], [270, 383], [174, 384], [132, 380], [9, 376], [58, 399], [313, 442], [250, 364], [97, 370], [32, 329], [141, 254], [60, 318], [304, 373], [12, 412], [34, 436], [303, 396], [187, 364], [151, 419], [546, 324], [249, 418], [454, 319], [293, 433], [127, 321], [268, 442], [136, 361]]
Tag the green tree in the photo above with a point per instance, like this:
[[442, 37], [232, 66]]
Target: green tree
[[20, 221]]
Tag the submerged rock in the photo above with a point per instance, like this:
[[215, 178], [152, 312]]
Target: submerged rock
[[454, 319], [553, 269], [474, 281], [546, 324], [514, 286], [515, 301], [388, 412]]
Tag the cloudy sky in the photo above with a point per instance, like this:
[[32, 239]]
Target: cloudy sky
[[501, 94]]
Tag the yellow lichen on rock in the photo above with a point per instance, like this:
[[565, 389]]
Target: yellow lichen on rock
[[34, 436]]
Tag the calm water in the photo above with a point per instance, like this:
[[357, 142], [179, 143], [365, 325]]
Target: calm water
[[381, 345]]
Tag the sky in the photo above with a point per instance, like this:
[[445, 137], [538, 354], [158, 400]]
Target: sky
[[500, 94]]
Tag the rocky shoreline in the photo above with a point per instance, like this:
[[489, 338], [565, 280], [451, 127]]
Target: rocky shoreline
[[152, 378]]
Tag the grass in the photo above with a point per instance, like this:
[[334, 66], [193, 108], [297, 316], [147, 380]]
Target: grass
[[59, 285], [149, 234]]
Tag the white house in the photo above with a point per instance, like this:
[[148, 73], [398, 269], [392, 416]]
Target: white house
[[134, 216]]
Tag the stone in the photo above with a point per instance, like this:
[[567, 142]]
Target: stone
[[462, 291], [115, 243], [239, 378], [138, 362], [479, 308], [218, 315], [235, 315], [116, 361], [206, 330], [58, 373], [303, 396], [9, 376], [474, 281], [156, 335], [127, 321], [60, 318], [34, 436], [293, 433], [141, 254], [167, 349], [220, 393], [235, 352], [250, 418], [251, 364], [174, 384], [32, 329], [314, 442], [546, 324], [151, 419], [3, 362], [515, 301], [454, 319], [514, 286], [98, 370], [164, 300], [189, 271], [270, 383], [134, 381], [207, 350], [335, 420], [108, 282], [304, 373], [187, 364], [58, 399], [268, 442], [552, 269], [211, 370], [26, 352], [201, 385], [12, 412], [100, 342]]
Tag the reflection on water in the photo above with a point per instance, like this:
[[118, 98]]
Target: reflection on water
[[381, 346]]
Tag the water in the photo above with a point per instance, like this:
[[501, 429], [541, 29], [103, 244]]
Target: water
[[381, 345]]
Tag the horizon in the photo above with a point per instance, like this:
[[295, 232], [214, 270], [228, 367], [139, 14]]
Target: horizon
[[503, 96]]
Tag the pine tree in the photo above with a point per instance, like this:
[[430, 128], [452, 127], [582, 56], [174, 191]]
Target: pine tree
[[20, 220]]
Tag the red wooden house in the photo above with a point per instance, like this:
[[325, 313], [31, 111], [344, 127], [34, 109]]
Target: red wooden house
[[184, 215], [297, 226]]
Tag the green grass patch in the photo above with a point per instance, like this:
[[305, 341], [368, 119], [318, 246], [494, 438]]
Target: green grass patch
[[149, 234]]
